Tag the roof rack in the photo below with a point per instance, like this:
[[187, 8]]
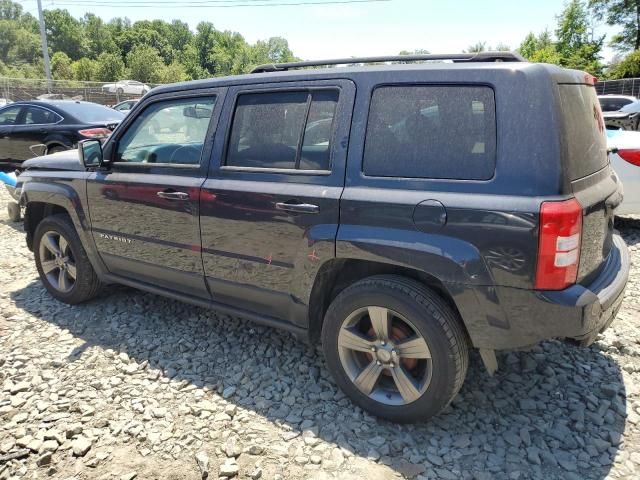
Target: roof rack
[[454, 57]]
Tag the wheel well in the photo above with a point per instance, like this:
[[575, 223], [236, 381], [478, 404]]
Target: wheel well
[[338, 274], [35, 213]]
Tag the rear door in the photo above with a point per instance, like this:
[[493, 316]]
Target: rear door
[[270, 207], [587, 172], [145, 209], [34, 125]]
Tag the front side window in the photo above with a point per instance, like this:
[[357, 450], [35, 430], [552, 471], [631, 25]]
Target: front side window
[[441, 132], [168, 132], [283, 130], [9, 115], [39, 116]]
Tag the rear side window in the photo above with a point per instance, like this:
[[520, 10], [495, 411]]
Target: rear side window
[[39, 116], [582, 131], [444, 132], [283, 130]]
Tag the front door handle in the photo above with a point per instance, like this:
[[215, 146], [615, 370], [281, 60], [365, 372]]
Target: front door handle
[[171, 195], [297, 207]]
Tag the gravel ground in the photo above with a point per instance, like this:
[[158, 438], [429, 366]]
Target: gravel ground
[[132, 385]]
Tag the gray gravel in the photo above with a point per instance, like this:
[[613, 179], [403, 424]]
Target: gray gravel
[[133, 385]]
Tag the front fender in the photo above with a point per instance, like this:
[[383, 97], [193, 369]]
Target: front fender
[[68, 194]]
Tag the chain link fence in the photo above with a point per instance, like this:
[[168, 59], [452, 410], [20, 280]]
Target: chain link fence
[[16, 89], [626, 86]]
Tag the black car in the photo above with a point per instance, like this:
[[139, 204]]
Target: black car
[[56, 124], [399, 214]]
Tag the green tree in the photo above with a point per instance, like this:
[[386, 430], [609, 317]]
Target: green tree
[[64, 33], [110, 67], [173, 73], [577, 45], [61, 66], [99, 38], [477, 47], [144, 64], [84, 69], [628, 67], [620, 13]]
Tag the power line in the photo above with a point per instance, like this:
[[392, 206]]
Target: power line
[[210, 3]]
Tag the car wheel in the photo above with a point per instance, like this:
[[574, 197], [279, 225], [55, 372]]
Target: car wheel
[[13, 209], [395, 348], [56, 149], [62, 261]]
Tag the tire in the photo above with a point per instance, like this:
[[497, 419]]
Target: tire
[[436, 373], [56, 149], [13, 209], [86, 284]]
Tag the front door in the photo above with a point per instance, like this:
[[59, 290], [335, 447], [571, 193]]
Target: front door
[[270, 207], [145, 208]]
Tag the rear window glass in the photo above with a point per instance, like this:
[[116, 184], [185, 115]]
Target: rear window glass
[[431, 132], [91, 112], [583, 132], [283, 130]]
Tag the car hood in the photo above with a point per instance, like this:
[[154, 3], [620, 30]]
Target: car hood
[[67, 160], [617, 114]]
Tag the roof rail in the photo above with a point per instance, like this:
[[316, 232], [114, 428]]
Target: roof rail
[[454, 57]]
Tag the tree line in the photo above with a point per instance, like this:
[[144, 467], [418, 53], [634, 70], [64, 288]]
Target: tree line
[[156, 51]]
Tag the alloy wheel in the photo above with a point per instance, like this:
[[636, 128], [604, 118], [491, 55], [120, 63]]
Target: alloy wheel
[[57, 262], [385, 356]]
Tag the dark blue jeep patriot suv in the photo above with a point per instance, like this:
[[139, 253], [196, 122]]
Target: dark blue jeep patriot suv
[[399, 214]]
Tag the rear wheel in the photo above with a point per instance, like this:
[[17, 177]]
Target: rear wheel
[[395, 348], [56, 149], [62, 262]]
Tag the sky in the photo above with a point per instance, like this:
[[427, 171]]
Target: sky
[[357, 29]]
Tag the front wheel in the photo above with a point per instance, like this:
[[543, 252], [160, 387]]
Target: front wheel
[[62, 261], [395, 348]]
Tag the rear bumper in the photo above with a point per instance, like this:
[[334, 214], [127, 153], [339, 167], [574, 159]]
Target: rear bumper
[[509, 318]]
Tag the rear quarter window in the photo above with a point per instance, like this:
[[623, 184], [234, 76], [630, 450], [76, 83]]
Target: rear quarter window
[[582, 131], [440, 132]]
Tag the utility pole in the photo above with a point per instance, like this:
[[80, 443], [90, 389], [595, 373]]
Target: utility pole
[[45, 48]]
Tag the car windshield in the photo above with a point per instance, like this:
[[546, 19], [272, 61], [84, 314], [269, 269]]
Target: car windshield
[[92, 112], [631, 107], [613, 104]]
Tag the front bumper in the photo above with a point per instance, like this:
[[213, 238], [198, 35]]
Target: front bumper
[[509, 318]]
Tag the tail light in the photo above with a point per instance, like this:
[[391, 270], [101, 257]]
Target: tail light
[[631, 156], [559, 244], [95, 132]]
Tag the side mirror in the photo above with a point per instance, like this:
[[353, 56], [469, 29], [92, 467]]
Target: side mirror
[[90, 153]]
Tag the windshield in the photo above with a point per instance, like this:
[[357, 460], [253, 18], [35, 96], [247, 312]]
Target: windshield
[[92, 112], [631, 107], [613, 104]]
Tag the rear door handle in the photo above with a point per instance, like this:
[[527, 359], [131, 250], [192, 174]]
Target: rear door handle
[[171, 195], [297, 207]]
